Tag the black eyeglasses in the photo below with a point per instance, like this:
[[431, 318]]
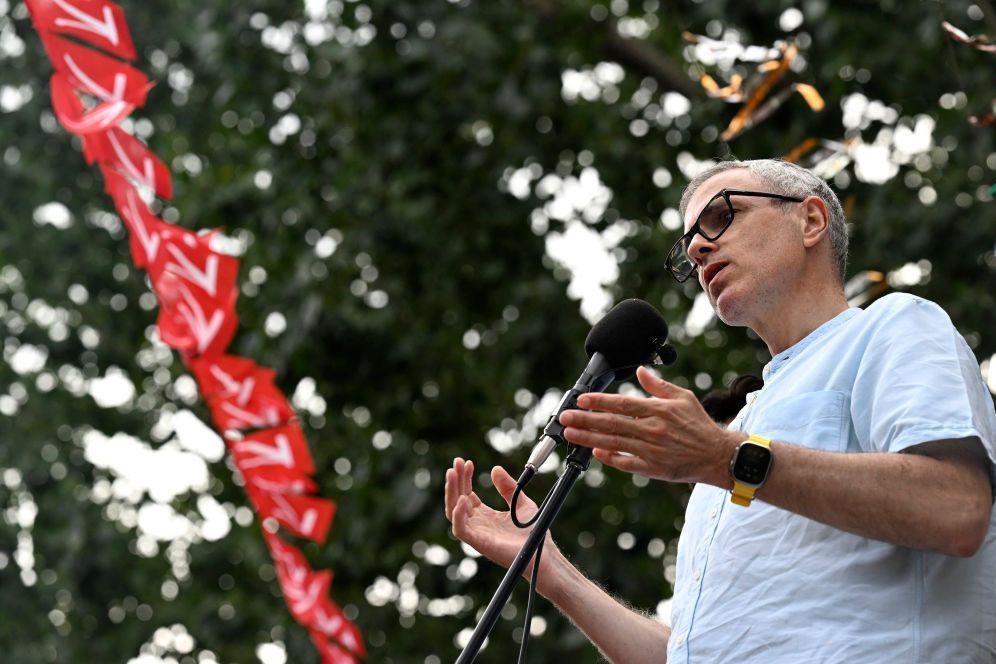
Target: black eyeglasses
[[713, 221]]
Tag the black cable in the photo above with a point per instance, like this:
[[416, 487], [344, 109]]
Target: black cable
[[527, 626], [536, 564], [514, 501]]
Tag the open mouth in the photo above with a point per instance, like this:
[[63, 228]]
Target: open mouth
[[711, 277]]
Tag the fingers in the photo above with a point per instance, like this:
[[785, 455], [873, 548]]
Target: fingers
[[463, 479], [618, 403], [450, 499], [629, 464], [459, 483], [610, 423], [656, 385], [461, 512], [606, 441], [457, 478]]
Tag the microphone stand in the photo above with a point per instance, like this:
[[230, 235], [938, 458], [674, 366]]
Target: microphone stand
[[597, 376], [577, 462]]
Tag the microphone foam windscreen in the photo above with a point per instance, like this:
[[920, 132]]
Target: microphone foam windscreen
[[629, 334]]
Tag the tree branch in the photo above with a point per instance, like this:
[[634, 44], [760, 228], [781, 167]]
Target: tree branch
[[633, 54], [643, 58]]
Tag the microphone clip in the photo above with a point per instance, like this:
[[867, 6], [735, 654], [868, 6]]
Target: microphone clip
[[664, 353]]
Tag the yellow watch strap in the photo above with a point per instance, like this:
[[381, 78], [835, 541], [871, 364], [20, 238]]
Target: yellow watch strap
[[760, 440], [743, 494]]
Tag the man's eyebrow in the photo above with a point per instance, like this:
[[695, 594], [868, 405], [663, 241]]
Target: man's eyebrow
[[712, 203]]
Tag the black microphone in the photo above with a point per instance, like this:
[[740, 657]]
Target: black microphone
[[631, 334]]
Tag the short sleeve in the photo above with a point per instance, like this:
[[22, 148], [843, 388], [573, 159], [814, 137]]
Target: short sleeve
[[918, 381]]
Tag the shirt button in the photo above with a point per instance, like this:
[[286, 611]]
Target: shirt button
[[712, 514], [681, 639], [698, 575]]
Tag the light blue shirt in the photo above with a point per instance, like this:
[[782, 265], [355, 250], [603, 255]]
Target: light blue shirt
[[764, 585]]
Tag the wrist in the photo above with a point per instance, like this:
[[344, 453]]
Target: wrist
[[728, 443], [560, 578]]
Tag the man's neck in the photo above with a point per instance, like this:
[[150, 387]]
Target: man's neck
[[801, 314]]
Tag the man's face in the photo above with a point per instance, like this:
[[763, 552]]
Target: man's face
[[758, 257]]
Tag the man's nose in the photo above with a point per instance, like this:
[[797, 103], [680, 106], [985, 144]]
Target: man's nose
[[698, 247]]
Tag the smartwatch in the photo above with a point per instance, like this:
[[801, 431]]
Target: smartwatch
[[749, 467]]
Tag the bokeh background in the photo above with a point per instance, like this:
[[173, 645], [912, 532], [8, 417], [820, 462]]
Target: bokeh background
[[432, 201]]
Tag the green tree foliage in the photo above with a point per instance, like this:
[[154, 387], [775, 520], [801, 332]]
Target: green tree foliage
[[414, 280]]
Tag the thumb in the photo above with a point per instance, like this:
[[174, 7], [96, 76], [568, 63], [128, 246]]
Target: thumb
[[505, 484], [656, 386]]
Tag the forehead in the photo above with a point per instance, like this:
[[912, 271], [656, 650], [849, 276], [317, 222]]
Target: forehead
[[737, 178]]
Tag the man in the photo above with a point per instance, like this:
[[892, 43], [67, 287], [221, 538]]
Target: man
[[860, 524]]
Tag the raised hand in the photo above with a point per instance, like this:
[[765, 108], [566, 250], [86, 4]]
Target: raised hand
[[666, 435], [491, 532]]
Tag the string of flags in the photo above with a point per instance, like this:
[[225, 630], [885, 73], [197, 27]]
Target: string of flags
[[980, 42], [753, 92], [94, 89]]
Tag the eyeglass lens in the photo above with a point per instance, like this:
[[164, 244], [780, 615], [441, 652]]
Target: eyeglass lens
[[712, 221]]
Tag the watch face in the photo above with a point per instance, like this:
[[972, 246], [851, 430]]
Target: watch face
[[752, 463]]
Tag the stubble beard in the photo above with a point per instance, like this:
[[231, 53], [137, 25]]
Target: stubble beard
[[741, 302]]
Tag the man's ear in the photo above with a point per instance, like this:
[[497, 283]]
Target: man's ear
[[816, 221]]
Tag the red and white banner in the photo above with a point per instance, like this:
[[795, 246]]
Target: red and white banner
[[97, 22], [196, 289], [77, 118], [145, 230], [279, 447], [240, 394], [128, 155], [305, 516], [327, 619], [273, 479], [95, 75], [309, 606], [196, 285]]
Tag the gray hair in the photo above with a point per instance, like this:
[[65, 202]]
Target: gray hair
[[791, 180]]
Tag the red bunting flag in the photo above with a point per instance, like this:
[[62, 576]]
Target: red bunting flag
[[273, 479], [329, 620], [302, 591], [189, 257], [196, 286], [196, 289], [191, 323], [240, 393], [225, 375], [94, 74], [324, 616], [98, 22], [283, 554], [281, 447], [304, 516], [145, 230], [302, 587], [246, 400], [124, 153], [75, 117]]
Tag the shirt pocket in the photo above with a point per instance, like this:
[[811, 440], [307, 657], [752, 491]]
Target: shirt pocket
[[811, 419]]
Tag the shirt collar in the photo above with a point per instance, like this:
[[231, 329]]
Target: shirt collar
[[779, 360]]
